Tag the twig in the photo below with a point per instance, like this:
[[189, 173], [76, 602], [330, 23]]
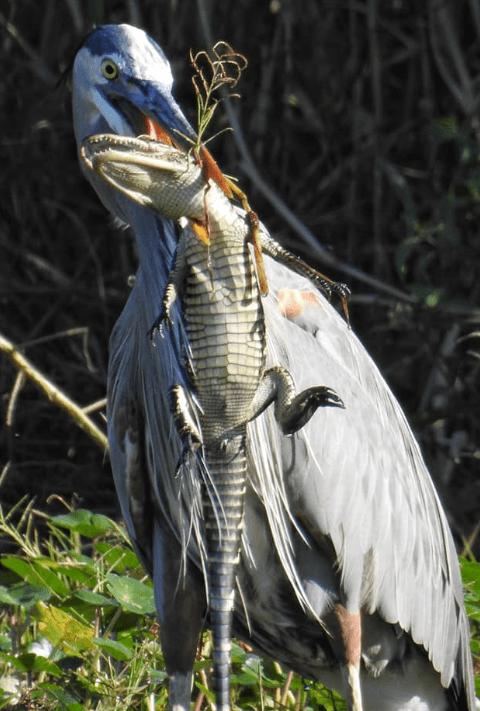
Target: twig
[[378, 112], [95, 406], [475, 10], [52, 392], [286, 688], [12, 400], [444, 42]]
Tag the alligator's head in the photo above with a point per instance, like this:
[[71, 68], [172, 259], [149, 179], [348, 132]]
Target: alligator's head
[[153, 174]]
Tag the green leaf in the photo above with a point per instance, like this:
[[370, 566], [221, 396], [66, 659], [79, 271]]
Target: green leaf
[[30, 662], [35, 663], [37, 573], [471, 575], [85, 523], [66, 700], [6, 597], [27, 595], [5, 642], [93, 598], [157, 676], [116, 649], [63, 630], [472, 610], [13, 660], [117, 558], [80, 573], [132, 594]]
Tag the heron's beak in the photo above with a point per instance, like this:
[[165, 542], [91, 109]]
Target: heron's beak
[[154, 131]]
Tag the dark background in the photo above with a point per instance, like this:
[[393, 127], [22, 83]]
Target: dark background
[[361, 115]]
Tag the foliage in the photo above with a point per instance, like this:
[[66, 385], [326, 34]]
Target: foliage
[[77, 628], [211, 75]]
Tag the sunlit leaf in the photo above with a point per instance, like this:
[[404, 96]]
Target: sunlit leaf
[[116, 649], [84, 522], [94, 598], [132, 594], [63, 630], [36, 573], [117, 558]]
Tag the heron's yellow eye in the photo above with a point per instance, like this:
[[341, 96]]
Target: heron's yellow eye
[[109, 69]]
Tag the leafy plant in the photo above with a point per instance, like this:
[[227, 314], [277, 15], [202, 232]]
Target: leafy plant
[[212, 75], [77, 628]]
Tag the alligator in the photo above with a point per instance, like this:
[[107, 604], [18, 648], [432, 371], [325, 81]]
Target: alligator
[[216, 280]]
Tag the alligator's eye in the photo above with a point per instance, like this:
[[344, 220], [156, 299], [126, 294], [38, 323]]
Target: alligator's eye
[[109, 69]]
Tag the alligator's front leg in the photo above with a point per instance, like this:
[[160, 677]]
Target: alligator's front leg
[[282, 255], [292, 410], [175, 282]]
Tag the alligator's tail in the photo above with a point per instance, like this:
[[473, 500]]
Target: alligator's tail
[[224, 508]]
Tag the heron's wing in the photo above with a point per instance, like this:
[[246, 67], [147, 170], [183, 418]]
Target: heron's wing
[[145, 448], [357, 477]]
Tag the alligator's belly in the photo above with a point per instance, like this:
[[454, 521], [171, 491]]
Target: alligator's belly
[[225, 325]]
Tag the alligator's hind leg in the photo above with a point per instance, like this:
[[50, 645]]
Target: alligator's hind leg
[[292, 410], [183, 418]]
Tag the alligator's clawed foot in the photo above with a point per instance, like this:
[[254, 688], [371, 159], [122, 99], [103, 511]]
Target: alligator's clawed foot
[[333, 287], [184, 420], [189, 452], [304, 405], [163, 319], [336, 287], [341, 289]]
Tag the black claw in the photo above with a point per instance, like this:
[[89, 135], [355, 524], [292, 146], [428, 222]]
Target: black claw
[[331, 399], [322, 396], [163, 318], [307, 403], [341, 289]]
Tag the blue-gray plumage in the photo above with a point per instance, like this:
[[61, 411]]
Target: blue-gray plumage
[[347, 562]]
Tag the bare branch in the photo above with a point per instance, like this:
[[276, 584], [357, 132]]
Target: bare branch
[[52, 392]]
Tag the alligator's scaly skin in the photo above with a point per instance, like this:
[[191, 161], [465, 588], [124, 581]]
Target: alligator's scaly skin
[[224, 320], [225, 326]]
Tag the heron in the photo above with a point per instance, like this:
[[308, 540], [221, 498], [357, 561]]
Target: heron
[[348, 572]]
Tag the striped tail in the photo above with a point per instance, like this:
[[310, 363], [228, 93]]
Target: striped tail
[[224, 509]]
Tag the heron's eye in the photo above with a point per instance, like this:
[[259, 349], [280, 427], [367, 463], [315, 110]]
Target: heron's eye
[[109, 69]]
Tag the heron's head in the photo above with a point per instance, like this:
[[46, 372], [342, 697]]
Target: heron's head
[[122, 83]]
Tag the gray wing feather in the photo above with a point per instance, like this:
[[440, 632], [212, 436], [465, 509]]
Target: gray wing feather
[[366, 486]]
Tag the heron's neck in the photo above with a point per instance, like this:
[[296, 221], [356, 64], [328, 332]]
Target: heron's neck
[[156, 244]]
